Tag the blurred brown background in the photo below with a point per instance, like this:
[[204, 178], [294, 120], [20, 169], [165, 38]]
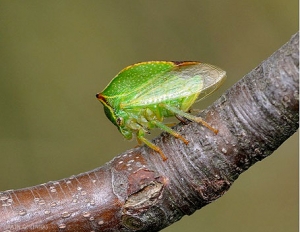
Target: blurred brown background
[[56, 55]]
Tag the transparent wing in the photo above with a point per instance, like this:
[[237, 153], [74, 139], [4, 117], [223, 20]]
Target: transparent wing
[[180, 82]]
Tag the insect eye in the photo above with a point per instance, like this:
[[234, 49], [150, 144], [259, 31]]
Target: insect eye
[[120, 121]]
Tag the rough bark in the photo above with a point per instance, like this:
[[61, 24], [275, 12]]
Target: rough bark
[[137, 191]]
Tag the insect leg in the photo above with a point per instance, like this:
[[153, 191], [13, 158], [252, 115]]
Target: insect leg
[[140, 137], [190, 117], [169, 130], [181, 119]]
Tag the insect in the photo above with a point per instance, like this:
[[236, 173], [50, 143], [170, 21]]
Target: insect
[[143, 94]]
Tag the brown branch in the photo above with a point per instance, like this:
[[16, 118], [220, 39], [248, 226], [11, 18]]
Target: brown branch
[[137, 191]]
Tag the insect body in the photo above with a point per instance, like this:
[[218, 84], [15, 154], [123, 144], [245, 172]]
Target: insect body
[[143, 94]]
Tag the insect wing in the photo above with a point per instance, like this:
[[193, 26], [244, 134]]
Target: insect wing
[[213, 77], [182, 81], [136, 77]]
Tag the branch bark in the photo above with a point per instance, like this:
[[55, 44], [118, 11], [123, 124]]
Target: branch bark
[[137, 191]]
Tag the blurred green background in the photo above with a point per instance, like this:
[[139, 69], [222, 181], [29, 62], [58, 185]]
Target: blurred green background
[[56, 55]]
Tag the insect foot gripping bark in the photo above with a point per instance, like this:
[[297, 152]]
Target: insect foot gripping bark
[[142, 95]]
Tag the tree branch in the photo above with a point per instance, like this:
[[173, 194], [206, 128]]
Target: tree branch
[[137, 191]]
